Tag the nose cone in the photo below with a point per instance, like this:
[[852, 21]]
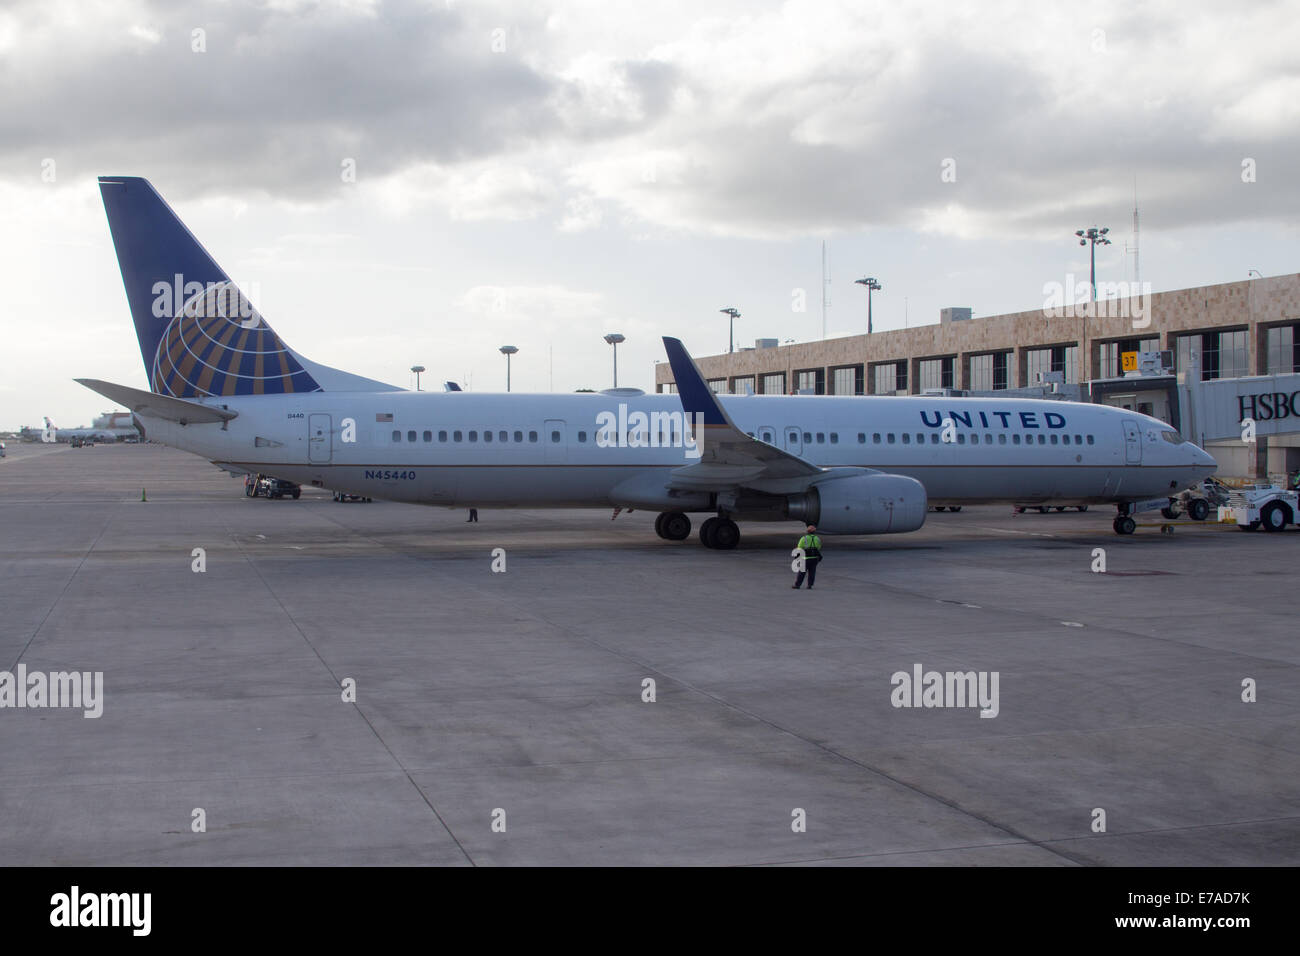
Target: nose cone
[[1204, 462]]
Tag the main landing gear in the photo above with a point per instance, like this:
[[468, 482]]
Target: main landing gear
[[1124, 523], [673, 526], [720, 533]]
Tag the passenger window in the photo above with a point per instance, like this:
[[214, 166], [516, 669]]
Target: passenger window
[[807, 438], [397, 436], [455, 436], [835, 438], [862, 438], [1015, 439], [532, 436], [428, 436], [503, 436], [891, 438], [1002, 438], [961, 439], [442, 436], [473, 435], [487, 436], [934, 438], [582, 436], [1078, 439], [907, 438], [988, 439], [1042, 439], [1090, 441], [519, 436], [875, 438], [821, 438], [1053, 439], [1065, 439], [555, 437], [410, 436]]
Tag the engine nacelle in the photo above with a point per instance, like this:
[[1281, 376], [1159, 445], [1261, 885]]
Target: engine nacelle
[[862, 504]]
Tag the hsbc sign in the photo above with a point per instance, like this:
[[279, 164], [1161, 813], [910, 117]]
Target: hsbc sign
[[1266, 406]]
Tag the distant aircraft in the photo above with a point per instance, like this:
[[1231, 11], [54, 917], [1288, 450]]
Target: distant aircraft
[[225, 386], [108, 427], [47, 435]]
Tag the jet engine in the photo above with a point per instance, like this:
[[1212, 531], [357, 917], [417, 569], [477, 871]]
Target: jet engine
[[862, 504]]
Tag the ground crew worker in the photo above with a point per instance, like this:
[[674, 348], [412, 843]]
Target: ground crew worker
[[812, 555]]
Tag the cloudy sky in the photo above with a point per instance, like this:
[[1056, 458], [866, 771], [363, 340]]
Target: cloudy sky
[[542, 173]]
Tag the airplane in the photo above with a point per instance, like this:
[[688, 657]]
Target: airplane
[[46, 435], [109, 427], [223, 385]]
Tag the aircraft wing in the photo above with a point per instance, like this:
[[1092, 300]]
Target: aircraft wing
[[728, 455], [159, 406]]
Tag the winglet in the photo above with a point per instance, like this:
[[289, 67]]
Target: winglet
[[697, 398]]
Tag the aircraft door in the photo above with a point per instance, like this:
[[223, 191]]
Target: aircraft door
[[319, 438], [1132, 444], [793, 440]]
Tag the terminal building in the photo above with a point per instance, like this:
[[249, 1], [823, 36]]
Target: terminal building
[[1217, 362]]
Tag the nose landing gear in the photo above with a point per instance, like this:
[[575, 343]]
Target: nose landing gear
[[1124, 523]]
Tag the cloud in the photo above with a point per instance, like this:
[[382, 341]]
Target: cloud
[[758, 120]]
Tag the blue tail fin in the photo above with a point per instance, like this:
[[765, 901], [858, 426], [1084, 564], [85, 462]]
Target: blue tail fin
[[198, 334]]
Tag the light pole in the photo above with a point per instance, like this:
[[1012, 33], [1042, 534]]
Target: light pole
[[731, 336], [417, 369], [613, 339], [1096, 237], [507, 351], [872, 286]]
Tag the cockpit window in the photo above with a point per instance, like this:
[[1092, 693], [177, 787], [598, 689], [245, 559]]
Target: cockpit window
[[1173, 438]]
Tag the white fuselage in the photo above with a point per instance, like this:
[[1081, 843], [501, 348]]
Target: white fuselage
[[543, 451]]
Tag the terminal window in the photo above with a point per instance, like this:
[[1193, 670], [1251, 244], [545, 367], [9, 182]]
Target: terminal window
[[988, 373], [889, 378], [847, 381], [1111, 353], [811, 380], [1283, 355], [1058, 358], [1220, 354], [934, 373]]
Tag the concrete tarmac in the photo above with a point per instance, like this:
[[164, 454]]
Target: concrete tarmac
[[515, 699]]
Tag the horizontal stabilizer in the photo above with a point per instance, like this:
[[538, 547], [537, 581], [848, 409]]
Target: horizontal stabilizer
[[153, 405]]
